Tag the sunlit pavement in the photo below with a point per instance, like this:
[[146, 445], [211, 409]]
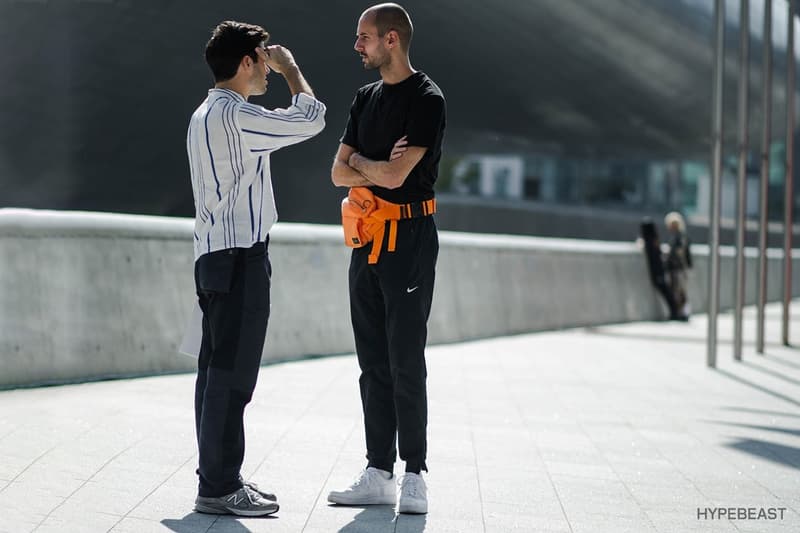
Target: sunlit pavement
[[618, 429]]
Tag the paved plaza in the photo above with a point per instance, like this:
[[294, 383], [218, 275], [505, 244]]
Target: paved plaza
[[609, 429]]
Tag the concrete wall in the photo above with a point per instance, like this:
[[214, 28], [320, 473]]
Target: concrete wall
[[92, 295]]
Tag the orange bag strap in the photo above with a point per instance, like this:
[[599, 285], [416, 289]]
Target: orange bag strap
[[413, 210], [392, 236], [388, 211], [377, 241], [429, 207]]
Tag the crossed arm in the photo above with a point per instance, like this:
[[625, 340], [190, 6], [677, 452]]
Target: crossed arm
[[351, 169], [342, 174]]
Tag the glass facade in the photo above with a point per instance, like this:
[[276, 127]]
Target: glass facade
[[636, 185]]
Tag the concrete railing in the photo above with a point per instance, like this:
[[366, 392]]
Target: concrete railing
[[93, 295]]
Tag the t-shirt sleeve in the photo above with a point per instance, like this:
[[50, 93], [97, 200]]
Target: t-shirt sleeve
[[350, 135], [424, 121]]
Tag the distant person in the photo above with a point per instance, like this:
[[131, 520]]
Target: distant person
[[229, 143], [655, 266], [389, 156], [679, 261]]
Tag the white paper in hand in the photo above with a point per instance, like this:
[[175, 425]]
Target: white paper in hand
[[193, 336]]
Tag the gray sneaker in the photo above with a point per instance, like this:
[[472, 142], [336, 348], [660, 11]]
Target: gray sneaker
[[243, 502], [264, 494]]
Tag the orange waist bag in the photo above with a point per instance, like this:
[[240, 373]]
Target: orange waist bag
[[364, 217]]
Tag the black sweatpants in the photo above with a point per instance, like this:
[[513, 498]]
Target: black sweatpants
[[389, 307], [665, 290], [233, 289]]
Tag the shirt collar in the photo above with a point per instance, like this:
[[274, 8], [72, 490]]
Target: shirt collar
[[220, 92]]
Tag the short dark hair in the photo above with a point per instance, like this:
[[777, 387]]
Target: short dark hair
[[392, 16], [230, 42]]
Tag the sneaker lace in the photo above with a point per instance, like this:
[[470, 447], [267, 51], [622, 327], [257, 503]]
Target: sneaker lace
[[363, 478], [409, 485], [252, 496]]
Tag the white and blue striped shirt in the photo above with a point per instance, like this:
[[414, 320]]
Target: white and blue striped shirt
[[229, 143]]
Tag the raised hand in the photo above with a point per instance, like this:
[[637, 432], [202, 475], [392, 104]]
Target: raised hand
[[280, 59]]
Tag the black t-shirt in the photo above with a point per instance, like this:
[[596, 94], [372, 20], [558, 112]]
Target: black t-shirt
[[381, 114]]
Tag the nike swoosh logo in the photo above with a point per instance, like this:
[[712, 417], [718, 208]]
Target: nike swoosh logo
[[412, 289]]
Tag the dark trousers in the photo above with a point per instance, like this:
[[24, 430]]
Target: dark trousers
[[665, 290], [233, 289], [389, 307]]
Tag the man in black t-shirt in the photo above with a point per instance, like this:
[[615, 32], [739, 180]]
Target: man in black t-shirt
[[392, 144]]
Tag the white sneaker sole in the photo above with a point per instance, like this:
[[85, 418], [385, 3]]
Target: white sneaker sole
[[412, 508], [352, 500], [200, 508]]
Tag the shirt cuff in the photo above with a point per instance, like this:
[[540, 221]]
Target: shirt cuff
[[305, 100]]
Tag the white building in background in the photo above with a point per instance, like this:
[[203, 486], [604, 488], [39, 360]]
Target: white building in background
[[493, 176]]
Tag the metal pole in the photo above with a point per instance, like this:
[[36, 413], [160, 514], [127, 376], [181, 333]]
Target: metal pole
[[788, 204], [716, 178], [762, 196], [741, 214]]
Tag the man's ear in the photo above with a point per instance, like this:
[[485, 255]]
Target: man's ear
[[392, 38]]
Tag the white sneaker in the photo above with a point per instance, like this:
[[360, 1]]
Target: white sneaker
[[371, 488], [413, 495]]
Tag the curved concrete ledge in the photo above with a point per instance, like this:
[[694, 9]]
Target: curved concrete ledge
[[73, 224], [93, 295]]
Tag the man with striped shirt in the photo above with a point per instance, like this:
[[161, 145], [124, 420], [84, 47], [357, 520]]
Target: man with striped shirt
[[229, 143]]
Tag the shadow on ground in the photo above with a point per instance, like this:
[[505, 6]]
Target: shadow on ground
[[201, 523], [777, 453]]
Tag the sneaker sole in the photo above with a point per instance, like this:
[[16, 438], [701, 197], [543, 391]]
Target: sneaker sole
[[200, 508], [369, 501], [409, 509]]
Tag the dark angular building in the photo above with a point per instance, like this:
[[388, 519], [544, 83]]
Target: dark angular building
[[565, 117]]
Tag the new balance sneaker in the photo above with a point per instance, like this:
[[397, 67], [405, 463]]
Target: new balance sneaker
[[243, 502], [264, 494], [373, 487], [413, 495]]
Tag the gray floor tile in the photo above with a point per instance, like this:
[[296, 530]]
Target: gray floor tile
[[544, 435]]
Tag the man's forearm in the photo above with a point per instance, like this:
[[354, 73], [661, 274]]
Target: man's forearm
[[343, 175], [378, 172], [297, 83]]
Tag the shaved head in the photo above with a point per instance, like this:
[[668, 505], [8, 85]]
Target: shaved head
[[391, 17]]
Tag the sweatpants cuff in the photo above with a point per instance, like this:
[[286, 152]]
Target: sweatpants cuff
[[416, 467], [386, 467]]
